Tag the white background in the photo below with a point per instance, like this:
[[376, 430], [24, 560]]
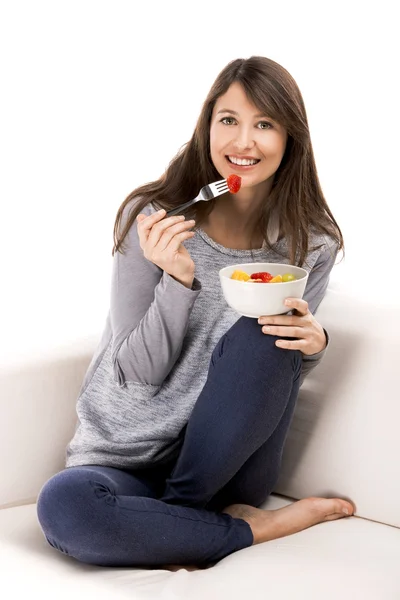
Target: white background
[[97, 96]]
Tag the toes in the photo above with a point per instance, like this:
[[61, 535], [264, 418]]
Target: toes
[[332, 507], [342, 507]]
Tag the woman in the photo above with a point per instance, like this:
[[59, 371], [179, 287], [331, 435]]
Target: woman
[[185, 407]]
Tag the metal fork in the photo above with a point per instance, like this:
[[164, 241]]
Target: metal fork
[[208, 192]]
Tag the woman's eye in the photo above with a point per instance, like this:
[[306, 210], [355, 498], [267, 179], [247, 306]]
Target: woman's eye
[[228, 120], [260, 125], [264, 125]]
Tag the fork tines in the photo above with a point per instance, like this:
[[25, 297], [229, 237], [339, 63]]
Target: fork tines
[[221, 186]]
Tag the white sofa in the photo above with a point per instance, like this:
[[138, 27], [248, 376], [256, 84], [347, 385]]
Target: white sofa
[[344, 441]]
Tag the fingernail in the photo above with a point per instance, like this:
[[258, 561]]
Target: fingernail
[[288, 302], [161, 211], [346, 511]]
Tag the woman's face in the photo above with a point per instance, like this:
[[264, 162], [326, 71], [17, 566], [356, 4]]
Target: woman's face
[[244, 141]]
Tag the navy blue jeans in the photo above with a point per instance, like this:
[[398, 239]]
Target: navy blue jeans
[[231, 453]]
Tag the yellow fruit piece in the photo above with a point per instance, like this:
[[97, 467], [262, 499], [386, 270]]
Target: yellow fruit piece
[[240, 275], [276, 279]]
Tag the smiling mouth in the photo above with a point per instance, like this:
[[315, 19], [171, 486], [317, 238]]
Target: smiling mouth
[[242, 162]]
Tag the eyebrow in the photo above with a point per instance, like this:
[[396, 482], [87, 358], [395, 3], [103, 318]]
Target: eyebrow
[[233, 112]]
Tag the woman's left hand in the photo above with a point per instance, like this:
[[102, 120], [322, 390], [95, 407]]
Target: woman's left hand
[[301, 324]]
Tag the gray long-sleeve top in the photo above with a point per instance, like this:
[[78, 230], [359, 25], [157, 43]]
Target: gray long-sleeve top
[[152, 360]]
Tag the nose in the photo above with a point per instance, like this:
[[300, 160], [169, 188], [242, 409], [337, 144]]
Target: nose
[[244, 138]]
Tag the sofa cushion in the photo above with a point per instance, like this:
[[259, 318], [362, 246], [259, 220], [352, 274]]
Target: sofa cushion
[[349, 558], [38, 416], [344, 440]]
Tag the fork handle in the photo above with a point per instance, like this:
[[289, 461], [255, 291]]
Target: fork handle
[[179, 209]]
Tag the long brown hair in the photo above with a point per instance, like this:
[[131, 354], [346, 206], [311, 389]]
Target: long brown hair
[[296, 195]]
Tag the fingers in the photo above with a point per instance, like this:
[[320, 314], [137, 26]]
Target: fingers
[[161, 235], [286, 320], [304, 328], [158, 228], [145, 223], [293, 344], [177, 240], [309, 338], [298, 304], [161, 238], [297, 332], [154, 228]]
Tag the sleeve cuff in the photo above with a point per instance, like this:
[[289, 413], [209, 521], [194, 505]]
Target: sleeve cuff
[[196, 285]]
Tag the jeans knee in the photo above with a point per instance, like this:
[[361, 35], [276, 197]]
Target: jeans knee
[[52, 501], [78, 513], [65, 508]]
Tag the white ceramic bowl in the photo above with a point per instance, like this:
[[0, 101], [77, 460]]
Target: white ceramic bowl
[[257, 299]]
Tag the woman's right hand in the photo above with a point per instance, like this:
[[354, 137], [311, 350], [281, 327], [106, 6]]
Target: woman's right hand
[[161, 241]]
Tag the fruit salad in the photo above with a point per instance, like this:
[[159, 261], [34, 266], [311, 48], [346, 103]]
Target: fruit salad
[[262, 277]]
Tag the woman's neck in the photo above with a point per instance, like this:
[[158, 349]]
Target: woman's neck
[[234, 220], [230, 233]]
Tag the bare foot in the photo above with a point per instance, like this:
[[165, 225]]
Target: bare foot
[[272, 524]]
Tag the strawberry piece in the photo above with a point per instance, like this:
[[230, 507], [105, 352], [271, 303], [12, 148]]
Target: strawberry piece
[[234, 182], [263, 275]]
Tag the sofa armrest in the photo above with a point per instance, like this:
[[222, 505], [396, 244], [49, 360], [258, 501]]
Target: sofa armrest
[[38, 418], [343, 440]]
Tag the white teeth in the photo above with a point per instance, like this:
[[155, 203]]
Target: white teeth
[[242, 161]]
